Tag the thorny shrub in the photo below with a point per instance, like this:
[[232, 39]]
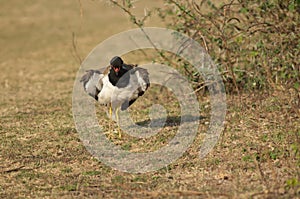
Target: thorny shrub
[[256, 44]]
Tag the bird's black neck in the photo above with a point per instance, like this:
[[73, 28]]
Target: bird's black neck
[[116, 78]]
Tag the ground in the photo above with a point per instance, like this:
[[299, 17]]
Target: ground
[[42, 155]]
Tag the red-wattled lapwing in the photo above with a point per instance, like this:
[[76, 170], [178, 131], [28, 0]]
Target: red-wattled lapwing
[[117, 86]]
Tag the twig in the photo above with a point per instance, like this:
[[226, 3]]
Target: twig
[[262, 175], [81, 9], [74, 45], [182, 193], [204, 41], [140, 25], [188, 12], [13, 169], [74, 40]]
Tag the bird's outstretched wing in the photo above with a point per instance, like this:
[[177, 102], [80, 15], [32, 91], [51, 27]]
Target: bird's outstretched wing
[[139, 79], [143, 79], [92, 82]]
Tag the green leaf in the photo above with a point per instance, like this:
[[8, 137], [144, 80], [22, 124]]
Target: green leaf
[[292, 6], [293, 182], [253, 53], [297, 85], [243, 10]]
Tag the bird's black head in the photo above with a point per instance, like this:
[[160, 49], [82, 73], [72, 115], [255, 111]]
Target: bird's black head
[[116, 64]]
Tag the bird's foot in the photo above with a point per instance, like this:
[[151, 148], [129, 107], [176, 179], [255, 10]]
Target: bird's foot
[[119, 132]]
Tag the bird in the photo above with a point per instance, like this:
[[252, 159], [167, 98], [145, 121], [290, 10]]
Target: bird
[[116, 86]]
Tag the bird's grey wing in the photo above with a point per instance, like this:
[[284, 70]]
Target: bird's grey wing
[[92, 82], [128, 67], [143, 78], [141, 84]]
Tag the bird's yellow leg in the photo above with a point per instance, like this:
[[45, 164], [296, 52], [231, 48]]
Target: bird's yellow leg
[[117, 117]]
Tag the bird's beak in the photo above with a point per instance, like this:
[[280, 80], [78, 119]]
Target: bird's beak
[[116, 69]]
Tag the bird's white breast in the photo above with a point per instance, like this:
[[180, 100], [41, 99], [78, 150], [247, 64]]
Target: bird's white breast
[[104, 97]]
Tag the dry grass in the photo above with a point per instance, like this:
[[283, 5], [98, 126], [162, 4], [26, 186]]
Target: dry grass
[[42, 156]]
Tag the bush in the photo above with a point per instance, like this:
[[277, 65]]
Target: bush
[[255, 43]]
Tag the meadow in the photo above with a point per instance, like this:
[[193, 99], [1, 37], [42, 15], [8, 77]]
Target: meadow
[[42, 156]]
